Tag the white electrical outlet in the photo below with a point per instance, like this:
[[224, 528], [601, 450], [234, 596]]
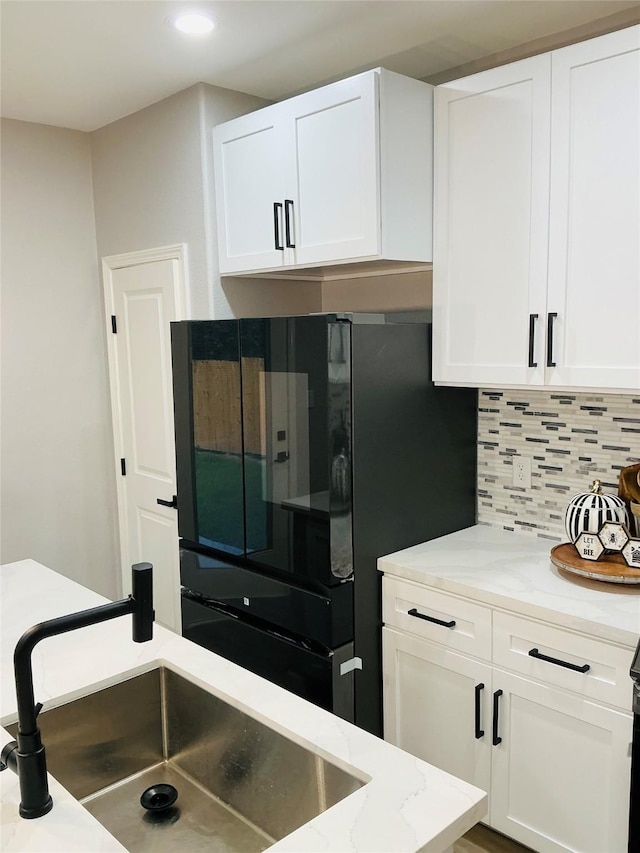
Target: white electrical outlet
[[522, 472]]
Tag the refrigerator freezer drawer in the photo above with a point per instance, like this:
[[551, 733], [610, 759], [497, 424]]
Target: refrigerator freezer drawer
[[303, 671]]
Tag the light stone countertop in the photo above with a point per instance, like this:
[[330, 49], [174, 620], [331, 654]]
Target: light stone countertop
[[514, 571], [407, 805]]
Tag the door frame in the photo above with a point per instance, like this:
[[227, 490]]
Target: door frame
[[111, 263]]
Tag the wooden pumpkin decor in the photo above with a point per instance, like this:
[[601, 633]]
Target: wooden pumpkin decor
[[588, 511]]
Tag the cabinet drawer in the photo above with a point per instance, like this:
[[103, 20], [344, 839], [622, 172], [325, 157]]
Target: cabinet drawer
[[606, 667], [422, 611]]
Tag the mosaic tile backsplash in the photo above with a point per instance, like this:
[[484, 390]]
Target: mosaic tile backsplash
[[571, 438]]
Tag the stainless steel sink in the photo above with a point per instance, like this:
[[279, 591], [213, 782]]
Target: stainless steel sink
[[241, 785]]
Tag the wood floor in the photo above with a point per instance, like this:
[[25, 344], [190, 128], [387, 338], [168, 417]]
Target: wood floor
[[481, 839]]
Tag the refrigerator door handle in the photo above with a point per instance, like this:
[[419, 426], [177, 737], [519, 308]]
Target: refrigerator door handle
[[349, 665]]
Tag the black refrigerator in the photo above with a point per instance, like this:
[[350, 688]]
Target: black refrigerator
[[306, 448]]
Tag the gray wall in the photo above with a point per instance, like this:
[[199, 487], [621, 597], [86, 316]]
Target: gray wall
[[57, 498], [153, 182], [69, 198]]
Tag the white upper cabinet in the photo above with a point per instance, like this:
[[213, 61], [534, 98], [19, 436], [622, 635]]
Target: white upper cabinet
[[537, 220], [339, 174], [333, 171], [491, 222], [249, 153], [594, 225]]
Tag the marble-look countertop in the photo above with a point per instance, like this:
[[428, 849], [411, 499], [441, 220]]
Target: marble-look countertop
[[407, 805], [514, 571]]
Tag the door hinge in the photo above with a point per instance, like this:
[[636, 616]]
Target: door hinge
[[114, 324], [123, 467]]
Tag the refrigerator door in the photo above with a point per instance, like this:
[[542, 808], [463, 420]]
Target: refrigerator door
[[208, 424], [296, 419], [263, 443], [325, 618]]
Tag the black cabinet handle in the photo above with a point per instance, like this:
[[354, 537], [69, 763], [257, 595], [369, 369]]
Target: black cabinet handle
[[534, 653], [414, 612], [496, 738], [479, 731], [550, 318], [277, 206], [532, 329], [173, 503], [288, 210]]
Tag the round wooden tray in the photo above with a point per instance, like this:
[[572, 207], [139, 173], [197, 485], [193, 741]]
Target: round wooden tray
[[611, 568]]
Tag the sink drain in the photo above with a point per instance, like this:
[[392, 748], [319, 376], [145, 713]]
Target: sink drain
[[158, 797]]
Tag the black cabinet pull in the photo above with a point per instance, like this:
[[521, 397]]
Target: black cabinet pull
[[277, 206], [550, 318], [479, 731], [288, 210], [496, 738], [532, 329], [173, 503], [414, 612], [534, 653]]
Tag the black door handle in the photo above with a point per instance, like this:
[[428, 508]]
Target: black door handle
[[277, 205], [532, 329], [534, 653], [496, 738], [479, 731], [173, 503], [288, 210], [550, 318], [414, 612]]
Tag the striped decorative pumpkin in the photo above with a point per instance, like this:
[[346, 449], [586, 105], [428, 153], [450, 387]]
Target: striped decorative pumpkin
[[588, 511]]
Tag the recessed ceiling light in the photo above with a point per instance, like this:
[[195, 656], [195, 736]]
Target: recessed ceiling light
[[193, 25]]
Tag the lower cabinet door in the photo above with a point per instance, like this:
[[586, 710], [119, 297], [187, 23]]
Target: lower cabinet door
[[437, 706], [560, 774]]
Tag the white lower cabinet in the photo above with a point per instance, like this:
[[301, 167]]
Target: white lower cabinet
[[551, 753], [430, 700], [560, 774]]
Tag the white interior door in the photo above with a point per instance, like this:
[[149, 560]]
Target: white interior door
[[144, 292]]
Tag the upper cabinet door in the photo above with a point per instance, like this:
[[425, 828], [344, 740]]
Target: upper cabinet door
[[340, 174], [594, 249], [333, 179], [250, 189], [492, 133]]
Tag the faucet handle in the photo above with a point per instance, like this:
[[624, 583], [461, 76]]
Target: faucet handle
[[142, 596]]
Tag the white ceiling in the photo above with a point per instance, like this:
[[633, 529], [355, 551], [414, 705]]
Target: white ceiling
[[84, 63]]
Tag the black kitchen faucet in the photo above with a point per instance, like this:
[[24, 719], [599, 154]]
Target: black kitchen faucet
[[26, 756]]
